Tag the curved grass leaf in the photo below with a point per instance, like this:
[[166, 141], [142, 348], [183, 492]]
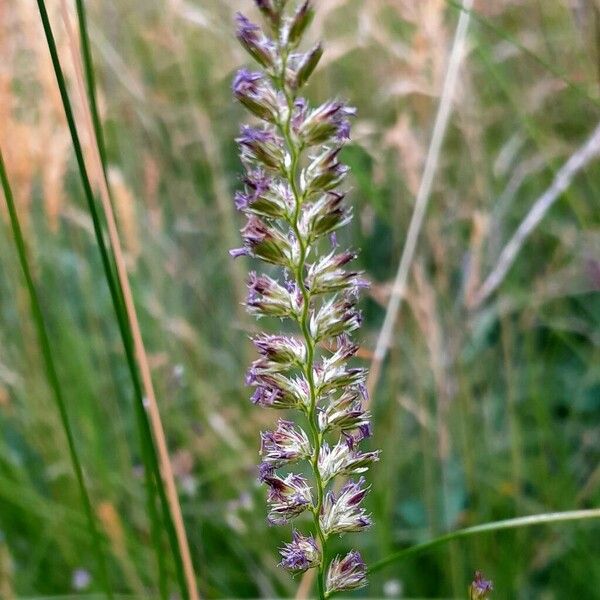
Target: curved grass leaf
[[152, 474], [542, 519], [44, 341]]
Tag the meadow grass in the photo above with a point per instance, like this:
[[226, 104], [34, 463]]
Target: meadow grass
[[483, 413]]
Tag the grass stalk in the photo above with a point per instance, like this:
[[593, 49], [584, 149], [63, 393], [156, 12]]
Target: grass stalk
[[53, 380], [588, 152], [422, 200], [151, 471], [529, 521], [182, 553], [90, 80], [309, 342]]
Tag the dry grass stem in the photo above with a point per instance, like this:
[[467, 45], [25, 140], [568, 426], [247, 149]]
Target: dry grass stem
[[418, 215], [140, 350], [578, 161]]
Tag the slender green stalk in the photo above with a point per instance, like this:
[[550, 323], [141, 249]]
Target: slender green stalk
[[308, 368], [309, 373], [90, 80], [53, 380], [151, 471], [182, 556], [542, 519]]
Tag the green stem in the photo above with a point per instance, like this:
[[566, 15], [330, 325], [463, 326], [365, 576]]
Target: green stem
[[317, 437], [542, 519], [53, 380], [90, 80], [153, 479], [308, 368]]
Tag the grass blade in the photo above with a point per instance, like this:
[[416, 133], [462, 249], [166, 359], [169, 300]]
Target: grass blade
[[182, 555], [151, 471], [542, 519], [53, 380], [90, 80]]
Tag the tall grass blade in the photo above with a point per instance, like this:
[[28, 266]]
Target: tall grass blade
[[90, 80], [53, 380], [183, 556], [542, 519], [151, 471]]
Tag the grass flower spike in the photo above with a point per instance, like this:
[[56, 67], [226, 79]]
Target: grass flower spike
[[292, 200]]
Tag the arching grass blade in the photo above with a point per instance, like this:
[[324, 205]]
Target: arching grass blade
[[44, 341]]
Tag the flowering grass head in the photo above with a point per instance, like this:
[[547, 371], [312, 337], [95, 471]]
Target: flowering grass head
[[294, 204]]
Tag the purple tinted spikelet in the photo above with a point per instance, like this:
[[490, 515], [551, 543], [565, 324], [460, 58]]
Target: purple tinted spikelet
[[298, 23], [301, 554], [288, 497], [252, 90], [480, 588], [284, 445], [270, 11], [261, 48], [306, 65], [292, 202], [342, 513], [348, 573]]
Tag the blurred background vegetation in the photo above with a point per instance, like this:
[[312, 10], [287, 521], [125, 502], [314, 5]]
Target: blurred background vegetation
[[484, 410]]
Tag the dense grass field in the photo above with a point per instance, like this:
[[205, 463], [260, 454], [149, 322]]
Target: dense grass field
[[487, 406]]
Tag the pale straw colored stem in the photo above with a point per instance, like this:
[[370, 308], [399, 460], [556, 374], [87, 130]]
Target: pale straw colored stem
[[584, 155], [305, 585], [416, 222], [418, 215], [140, 350]]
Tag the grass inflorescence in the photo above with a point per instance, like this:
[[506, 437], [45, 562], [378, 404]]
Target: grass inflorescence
[[485, 411]]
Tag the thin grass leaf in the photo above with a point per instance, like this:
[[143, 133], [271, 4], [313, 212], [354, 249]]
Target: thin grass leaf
[[53, 380], [90, 80], [151, 471], [183, 559], [543, 519]]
